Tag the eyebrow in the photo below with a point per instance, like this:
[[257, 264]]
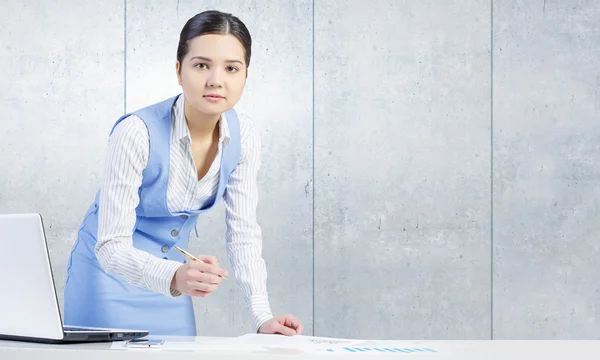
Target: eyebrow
[[209, 60]]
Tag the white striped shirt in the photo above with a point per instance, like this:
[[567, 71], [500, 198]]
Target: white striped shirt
[[127, 156]]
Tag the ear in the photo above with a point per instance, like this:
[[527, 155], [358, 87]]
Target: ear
[[178, 71]]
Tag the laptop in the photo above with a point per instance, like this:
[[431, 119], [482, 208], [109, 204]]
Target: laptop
[[28, 301]]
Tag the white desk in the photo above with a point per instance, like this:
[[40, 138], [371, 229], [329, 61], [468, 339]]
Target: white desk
[[451, 350]]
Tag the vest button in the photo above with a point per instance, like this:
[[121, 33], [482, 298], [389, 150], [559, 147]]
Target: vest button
[[165, 248], [184, 217], [174, 232]]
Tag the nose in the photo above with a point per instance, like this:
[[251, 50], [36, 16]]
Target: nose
[[215, 79]]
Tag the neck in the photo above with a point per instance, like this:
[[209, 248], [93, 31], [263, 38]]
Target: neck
[[200, 125]]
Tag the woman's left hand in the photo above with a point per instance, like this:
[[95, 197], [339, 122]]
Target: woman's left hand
[[285, 325]]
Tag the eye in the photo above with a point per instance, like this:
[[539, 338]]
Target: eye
[[232, 69], [201, 66]]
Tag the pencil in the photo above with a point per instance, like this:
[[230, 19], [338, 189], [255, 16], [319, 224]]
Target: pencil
[[192, 257]]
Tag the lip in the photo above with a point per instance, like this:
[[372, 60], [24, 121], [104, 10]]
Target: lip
[[214, 96]]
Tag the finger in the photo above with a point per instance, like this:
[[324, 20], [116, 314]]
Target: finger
[[203, 286], [193, 277], [196, 277], [208, 278], [209, 268], [216, 270], [299, 329], [291, 321], [284, 330], [209, 259]]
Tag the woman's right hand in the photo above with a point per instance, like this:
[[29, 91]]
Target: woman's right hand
[[198, 278]]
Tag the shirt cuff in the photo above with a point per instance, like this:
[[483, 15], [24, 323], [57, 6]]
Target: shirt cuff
[[261, 310], [158, 274]]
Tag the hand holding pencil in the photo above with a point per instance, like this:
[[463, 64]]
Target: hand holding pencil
[[199, 277]]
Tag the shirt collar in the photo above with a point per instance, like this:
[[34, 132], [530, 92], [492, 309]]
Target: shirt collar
[[180, 130]]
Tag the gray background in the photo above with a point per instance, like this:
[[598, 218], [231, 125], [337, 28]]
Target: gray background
[[430, 168]]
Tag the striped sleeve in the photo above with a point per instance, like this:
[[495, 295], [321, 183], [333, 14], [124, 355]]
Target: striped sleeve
[[243, 234], [126, 158]]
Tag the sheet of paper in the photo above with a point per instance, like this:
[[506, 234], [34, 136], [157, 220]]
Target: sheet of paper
[[292, 342], [336, 346]]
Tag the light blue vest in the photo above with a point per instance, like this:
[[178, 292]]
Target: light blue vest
[[97, 299]]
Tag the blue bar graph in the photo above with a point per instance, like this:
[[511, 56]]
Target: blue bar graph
[[358, 350]]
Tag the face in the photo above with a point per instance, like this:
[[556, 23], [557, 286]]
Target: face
[[213, 73]]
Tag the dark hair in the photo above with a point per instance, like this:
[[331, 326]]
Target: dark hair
[[214, 22]]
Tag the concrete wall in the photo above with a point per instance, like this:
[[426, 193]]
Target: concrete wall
[[452, 147], [402, 169], [546, 169]]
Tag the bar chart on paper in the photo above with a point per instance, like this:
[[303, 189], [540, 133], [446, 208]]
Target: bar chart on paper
[[358, 350], [346, 346]]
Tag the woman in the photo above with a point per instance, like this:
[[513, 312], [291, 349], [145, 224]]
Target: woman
[[166, 164]]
